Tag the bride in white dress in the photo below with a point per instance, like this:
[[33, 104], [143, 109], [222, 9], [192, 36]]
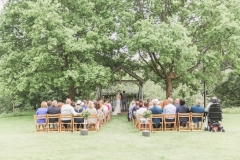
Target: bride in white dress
[[118, 103]]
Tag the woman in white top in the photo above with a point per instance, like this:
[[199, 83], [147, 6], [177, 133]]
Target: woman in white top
[[92, 111]]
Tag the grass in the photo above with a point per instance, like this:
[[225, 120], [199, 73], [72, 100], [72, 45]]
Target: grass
[[117, 140], [232, 110]]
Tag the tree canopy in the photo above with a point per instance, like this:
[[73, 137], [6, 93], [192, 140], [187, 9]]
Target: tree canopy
[[184, 41], [51, 49]]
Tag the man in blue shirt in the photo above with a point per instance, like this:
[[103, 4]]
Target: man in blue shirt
[[197, 109], [156, 110]]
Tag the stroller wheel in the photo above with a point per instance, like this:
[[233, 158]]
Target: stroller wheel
[[213, 130], [223, 130]]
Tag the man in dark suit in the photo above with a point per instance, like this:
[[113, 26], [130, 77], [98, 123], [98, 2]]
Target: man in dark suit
[[53, 110], [124, 101], [156, 110]]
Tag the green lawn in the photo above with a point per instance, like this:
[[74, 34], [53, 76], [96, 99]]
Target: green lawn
[[117, 140]]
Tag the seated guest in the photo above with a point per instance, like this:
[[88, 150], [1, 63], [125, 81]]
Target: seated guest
[[214, 100], [108, 104], [156, 110], [134, 109], [140, 111], [150, 105], [130, 111], [164, 103], [78, 107], [59, 105], [68, 109], [92, 110], [73, 104], [182, 108], [176, 102], [170, 109], [49, 104], [41, 111], [53, 110], [105, 109], [99, 108], [197, 109], [145, 104], [85, 104]]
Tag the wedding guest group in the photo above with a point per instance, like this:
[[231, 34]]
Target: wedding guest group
[[165, 106], [96, 107]]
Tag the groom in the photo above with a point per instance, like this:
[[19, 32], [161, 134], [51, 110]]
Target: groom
[[124, 101]]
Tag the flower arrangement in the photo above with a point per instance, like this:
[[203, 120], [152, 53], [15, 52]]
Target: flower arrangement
[[147, 114], [85, 114]]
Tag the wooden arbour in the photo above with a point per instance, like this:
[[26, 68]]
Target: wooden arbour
[[138, 80]]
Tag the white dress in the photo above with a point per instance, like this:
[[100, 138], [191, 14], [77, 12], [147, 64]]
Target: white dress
[[118, 105]]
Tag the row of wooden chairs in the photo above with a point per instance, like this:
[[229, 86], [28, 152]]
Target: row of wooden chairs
[[174, 125], [58, 126]]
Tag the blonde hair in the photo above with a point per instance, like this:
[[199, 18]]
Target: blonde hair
[[90, 104], [43, 104]]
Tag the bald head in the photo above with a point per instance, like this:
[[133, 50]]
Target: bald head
[[177, 101], [198, 102], [68, 101]]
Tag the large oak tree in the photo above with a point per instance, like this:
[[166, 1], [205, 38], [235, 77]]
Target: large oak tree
[[179, 41]]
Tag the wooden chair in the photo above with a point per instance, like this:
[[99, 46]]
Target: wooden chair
[[188, 126], [101, 119], [93, 123], [144, 125], [161, 116], [38, 124], [109, 116], [68, 124], [200, 123], [170, 116], [53, 126], [75, 124], [134, 120], [104, 120]]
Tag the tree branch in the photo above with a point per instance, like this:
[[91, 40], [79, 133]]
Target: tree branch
[[154, 68], [163, 69]]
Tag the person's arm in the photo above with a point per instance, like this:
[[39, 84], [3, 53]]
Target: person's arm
[[75, 113], [161, 111]]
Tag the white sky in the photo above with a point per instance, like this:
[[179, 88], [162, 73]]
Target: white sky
[[1, 4]]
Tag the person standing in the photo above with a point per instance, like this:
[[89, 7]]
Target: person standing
[[118, 107], [124, 101]]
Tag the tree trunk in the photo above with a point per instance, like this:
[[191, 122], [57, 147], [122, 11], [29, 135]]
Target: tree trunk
[[169, 87], [71, 91]]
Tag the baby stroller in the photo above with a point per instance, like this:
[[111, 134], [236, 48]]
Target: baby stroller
[[214, 116]]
